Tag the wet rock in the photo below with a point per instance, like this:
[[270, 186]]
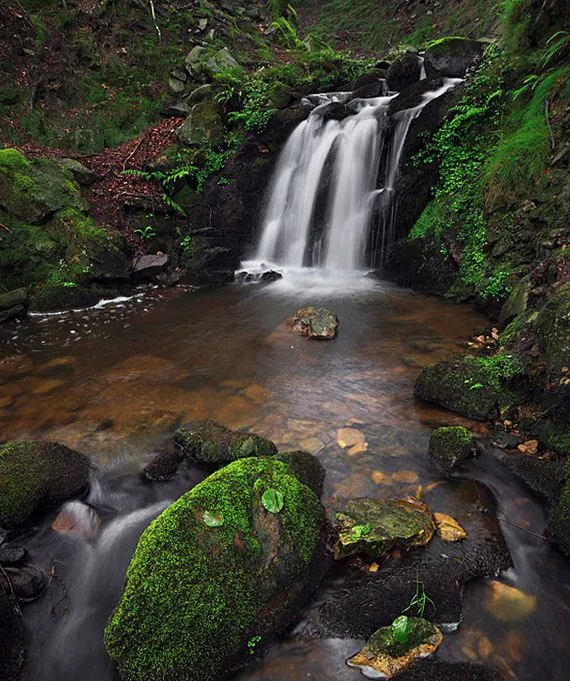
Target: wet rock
[[27, 583], [447, 671], [270, 276], [11, 299], [81, 174], [370, 528], [11, 312], [383, 656], [56, 297], [405, 71], [164, 465], [216, 575], [12, 556], [11, 641], [451, 57], [306, 468], [472, 386], [413, 95], [285, 121], [335, 111], [148, 266], [210, 442], [36, 474], [315, 322], [449, 447], [553, 333], [508, 604], [78, 520], [517, 301]]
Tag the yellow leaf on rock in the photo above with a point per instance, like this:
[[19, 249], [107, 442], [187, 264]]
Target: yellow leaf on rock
[[348, 437], [358, 448], [448, 528], [528, 447]]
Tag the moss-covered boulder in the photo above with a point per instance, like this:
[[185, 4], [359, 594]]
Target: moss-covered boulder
[[371, 527], [475, 387], [69, 296], [553, 332], [306, 468], [315, 322], [450, 446], [11, 641], [217, 574], [210, 442], [203, 126], [391, 650], [35, 474], [49, 236]]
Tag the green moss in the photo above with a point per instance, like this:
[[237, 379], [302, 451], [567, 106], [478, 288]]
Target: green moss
[[36, 473], [194, 596], [449, 446], [382, 642], [12, 160]]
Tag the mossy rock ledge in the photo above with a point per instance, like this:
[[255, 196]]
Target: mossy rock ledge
[[449, 447], [36, 474], [476, 387], [207, 441], [217, 575]]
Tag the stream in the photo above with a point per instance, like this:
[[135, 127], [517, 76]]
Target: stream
[[115, 381]]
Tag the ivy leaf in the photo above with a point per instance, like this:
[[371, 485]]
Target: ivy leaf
[[212, 519], [401, 629], [272, 500]]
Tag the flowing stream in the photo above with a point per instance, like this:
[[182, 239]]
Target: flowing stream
[[114, 382]]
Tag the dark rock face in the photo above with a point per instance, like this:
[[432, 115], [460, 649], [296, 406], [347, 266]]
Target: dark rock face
[[164, 465], [284, 122], [449, 447], [56, 297], [271, 276], [210, 442], [35, 474], [306, 468], [405, 71], [217, 575], [451, 57], [11, 641], [13, 303], [412, 96], [27, 583], [12, 556], [447, 671], [335, 111]]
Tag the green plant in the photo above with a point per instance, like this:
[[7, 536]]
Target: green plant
[[401, 629], [252, 644], [358, 531], [419, 600], [146, 233], [212, 519]]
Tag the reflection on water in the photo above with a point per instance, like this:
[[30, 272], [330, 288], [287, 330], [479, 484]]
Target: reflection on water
[[114, 382]]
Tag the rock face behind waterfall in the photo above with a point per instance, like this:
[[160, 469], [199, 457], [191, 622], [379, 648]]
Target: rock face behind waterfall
[[218, 574]]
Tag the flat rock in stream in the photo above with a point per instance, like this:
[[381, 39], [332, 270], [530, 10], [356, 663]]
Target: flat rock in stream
[[371, 527], [315, 322], [207, 441]]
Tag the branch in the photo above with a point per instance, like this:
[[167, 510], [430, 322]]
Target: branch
[[154, 19]]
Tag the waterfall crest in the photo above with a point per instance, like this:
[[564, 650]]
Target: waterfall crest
[[333, 179]]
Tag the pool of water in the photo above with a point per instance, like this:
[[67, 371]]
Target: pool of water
[[114, 382]]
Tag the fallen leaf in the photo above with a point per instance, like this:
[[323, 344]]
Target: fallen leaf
[[528, 447], [373, 567], [448, 528]]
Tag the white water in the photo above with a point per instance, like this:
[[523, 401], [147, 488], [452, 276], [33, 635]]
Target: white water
[[355, 156]]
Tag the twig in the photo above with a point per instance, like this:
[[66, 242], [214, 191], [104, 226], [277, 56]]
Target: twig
[[510, 522], [154, 19], [546, 116], [133, 152], [6, 229]]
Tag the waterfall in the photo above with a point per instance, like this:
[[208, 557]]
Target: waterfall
[[353, 163]]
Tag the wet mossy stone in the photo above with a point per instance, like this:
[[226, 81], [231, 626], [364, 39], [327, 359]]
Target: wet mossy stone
[[11, 641], [306, 468], [553, 333], [35, 474], [204, 125], [384, 656], [315, 322], [207, 441], [56, 297], [475, 387], [450, 446], [516, 303], [449, 671], [216, 573], [371, 527], [164, 465]]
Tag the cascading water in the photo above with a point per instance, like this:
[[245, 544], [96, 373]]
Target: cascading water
[[347, 161]]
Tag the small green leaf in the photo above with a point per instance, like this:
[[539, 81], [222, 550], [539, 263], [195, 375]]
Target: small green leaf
[[360, 531], [401, 629], [212, 519], [272, 500]]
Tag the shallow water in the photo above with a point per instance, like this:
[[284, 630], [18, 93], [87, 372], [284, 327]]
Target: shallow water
[[114, 382]]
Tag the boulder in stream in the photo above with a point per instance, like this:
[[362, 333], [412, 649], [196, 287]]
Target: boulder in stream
[[315, 322], [371, 527], [218, 574], [207, 441], [451, 57], [449, 447], [35, 474], [388, 652]]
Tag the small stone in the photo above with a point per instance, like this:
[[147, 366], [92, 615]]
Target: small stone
[[315, 322], [408, 477], [147, 266], [12, 556], [448, 528], [164, 465], [529, 447], [348, 437]]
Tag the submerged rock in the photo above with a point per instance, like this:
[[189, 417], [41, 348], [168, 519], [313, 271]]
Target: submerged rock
[[217, 575], [315, 322], [384, 656], [449, 447], [35, 474], [11, 641], [210, 442], [371, 528]]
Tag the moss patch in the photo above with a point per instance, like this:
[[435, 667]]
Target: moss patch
[[196, 594], [450, 446]]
